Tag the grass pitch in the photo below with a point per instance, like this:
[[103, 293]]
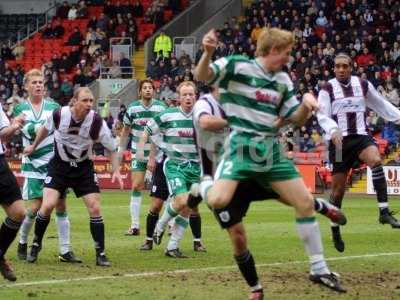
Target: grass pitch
[[369, 267]]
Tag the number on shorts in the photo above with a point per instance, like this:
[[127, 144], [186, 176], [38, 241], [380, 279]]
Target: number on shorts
[[134, 164], [227, 168], [175, 183]]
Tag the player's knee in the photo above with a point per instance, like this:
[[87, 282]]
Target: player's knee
[[137, 187], [305, 206], [156, 207], [94, 209], [218, 201], [19, 214], [375, 162]]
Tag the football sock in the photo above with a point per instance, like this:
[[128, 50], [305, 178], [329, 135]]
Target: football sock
[[380, 186], [63, 228], [97, 231], [310, 234], [320, 206], [181, 223], [8, 232], [136, 201], [151, 222], [26, 226], [40, 228], [247, 267], [195, 226], [168, 214]]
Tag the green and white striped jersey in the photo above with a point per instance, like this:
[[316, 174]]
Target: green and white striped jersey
[[35, 165], [176, 128], [136, 117], [252, 98]]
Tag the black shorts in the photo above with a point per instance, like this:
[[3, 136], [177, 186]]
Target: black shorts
[[81, 178], [159, 187], [352, 146], [9, 189], [246, 193]]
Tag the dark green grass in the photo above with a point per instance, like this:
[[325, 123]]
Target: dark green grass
[[212, 275]]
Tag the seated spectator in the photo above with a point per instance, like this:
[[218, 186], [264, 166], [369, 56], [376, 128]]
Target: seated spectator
[[151, 69], [65, 64], [115, 70], [82, 10], [389, 133], [47, 32], [306, 143], [93, 47], [137, 10], [56, 94], [126, 66], [121, 113], [102, 22], [66, 88], [72, 13], [79, 79], [18, 51], [75, 38], [74, 56], [92, 23], [62, 11], [58, 30]]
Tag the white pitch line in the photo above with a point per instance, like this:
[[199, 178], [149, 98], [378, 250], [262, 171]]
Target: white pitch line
[[159, 273]]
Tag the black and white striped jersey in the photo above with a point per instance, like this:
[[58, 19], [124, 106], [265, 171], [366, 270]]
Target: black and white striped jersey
[[73, 140], [344, 106]]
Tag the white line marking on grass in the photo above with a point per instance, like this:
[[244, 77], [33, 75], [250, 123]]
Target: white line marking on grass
[[159, 273]]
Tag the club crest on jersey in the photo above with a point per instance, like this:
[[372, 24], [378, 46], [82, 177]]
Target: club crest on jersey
[[224, 216], [266, 97]]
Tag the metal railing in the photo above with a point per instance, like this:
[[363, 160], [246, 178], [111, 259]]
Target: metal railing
[[186, 45], [27, 31]]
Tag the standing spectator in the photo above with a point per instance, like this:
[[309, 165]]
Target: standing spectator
[[66, 88], [163, 43]]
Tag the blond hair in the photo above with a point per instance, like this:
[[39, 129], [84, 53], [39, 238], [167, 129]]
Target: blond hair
[[31, 73], [186, 83], [273, 38]]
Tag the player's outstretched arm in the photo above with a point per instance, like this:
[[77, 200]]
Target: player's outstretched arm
[[41, 135], [304, 110], [203, 72]]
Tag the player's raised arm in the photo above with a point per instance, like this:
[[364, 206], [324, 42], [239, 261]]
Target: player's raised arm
[[203, 72]]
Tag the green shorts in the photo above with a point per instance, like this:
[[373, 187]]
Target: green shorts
[[138, 166], [247, 157], [181, 175], [32, 188]]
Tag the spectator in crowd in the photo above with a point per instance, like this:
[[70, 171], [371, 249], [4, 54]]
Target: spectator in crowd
[[47, 32], [72, 13], [56, 93], [66, 88], [62, 11], [18, 51], [75, 38], [82, 10], [58, 29], [125, 65]]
